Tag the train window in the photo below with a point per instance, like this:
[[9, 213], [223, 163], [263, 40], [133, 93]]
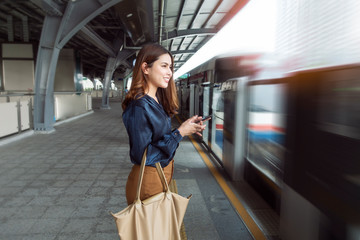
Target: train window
[[339, 111], [337, 130], [266, 129], [338, 123]]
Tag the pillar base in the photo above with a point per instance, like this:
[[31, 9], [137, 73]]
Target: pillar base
[[105, 107], [44, 129]]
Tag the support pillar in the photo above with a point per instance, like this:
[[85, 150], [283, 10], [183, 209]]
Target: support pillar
[[60, 25], [111, 65], [45, 75], [10, 28], [110, 68]]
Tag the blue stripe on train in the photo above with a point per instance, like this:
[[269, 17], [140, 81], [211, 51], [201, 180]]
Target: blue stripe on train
[[267, 135]]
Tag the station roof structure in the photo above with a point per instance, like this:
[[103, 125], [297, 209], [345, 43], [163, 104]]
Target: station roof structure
[[182, 26]]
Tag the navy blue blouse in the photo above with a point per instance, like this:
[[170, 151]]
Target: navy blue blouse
[[148, 125]]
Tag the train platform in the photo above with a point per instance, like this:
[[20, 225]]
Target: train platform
[[63, 185]]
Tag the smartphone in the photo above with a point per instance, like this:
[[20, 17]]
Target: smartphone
[[204, 118]]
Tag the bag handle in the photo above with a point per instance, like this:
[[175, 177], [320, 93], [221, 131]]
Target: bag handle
[[162, 176], [141, 175]]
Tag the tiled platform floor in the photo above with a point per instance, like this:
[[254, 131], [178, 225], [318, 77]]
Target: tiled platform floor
[[64, 184]]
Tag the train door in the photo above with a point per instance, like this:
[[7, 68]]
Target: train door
[[179, 94], [194, 100], [234, 93], [206, 110], [217, 122], [185, 100]]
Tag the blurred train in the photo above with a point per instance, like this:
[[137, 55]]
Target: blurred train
[[295, 137]]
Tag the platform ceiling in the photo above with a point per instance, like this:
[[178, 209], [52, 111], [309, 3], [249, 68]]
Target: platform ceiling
[[183, 26]]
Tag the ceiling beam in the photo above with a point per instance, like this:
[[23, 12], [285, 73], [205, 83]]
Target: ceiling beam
[[192, 41], [161, 19], [50, 7], [171, 44], [24, 21], [190, 32], [181, 43], [78, 14], [98, 41], [22, 6], [180, 14], [196, 14], [183, 52], [212, 13]]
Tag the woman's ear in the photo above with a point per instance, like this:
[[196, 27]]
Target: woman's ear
[[144, 68]]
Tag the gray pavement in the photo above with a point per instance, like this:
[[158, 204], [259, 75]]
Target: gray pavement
[[64, 184]]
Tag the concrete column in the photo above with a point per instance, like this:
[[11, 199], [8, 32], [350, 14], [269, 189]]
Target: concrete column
[[110, 68], [10, 28], [111, 65]]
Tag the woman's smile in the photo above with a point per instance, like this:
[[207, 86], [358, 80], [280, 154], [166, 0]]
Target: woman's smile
[[159, 74]]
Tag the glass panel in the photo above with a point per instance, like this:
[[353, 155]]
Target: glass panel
[[206, 111], [266, 129]]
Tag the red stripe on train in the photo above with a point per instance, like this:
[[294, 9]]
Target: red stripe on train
[[219, 126], [265, 128]]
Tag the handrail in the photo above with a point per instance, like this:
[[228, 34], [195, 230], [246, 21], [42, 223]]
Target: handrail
[[16, 94], [66, 93], [33, 94]]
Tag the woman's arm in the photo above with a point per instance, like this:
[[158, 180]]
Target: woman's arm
[[141, 128]]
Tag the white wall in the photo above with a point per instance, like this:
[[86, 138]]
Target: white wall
[[18, 67]]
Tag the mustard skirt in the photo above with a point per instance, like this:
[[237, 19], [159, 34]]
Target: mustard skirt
[[151, 184]]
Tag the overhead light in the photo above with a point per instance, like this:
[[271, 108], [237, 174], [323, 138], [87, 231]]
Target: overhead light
[[129, 15]]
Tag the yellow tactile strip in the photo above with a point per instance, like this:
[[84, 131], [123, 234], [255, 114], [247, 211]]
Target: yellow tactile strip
[[245, 216]]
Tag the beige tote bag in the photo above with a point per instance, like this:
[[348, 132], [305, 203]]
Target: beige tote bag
[[156, 218]]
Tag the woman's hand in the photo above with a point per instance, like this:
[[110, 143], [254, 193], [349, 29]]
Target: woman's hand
[[191, 126]]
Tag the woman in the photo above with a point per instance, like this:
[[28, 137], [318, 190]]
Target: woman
[[148, 106]]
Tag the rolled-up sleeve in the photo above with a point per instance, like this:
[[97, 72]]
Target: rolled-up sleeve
[[163, 150], [148, 129]]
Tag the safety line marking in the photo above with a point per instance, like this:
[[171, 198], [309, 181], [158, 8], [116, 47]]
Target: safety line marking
[[245, 216]]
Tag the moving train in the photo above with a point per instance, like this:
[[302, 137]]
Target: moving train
[[294, 136]]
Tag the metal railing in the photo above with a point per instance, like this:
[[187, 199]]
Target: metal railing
[[15, 113], [16, 109]]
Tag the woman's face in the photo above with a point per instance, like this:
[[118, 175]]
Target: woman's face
[[160, 73]]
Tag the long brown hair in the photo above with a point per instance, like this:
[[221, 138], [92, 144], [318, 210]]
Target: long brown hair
[[167, 96]]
